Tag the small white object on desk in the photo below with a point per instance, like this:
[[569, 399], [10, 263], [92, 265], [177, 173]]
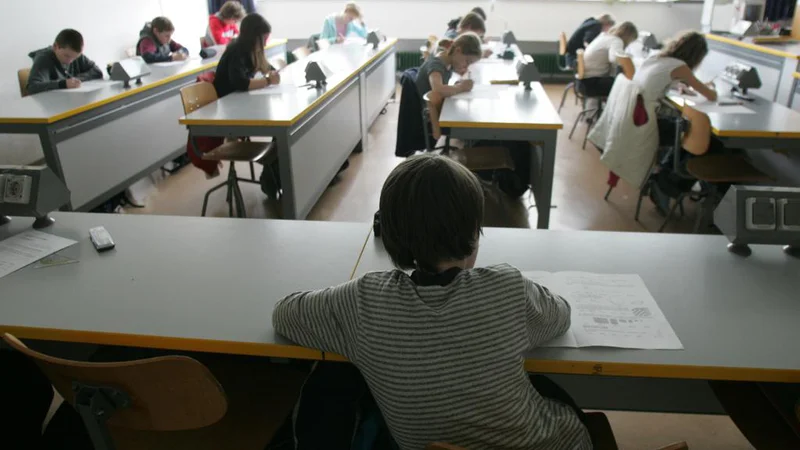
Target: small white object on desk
[[274, 89], [609, 311], [28, 247]]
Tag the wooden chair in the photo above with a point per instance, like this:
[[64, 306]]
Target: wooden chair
[[301, 52], [22, 78], [196, 96], [473, 158], [599, 429], [625, 63], [591, 113], [564, 67]]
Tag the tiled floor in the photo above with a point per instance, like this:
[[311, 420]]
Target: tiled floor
[[580, 183]]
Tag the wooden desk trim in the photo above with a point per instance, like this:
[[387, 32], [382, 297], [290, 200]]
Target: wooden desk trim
[[505, 126], [163, 342], [259, 123], [128, 93], [751, 46], [796, 75]]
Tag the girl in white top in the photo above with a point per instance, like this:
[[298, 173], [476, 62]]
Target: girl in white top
[[600, 59]]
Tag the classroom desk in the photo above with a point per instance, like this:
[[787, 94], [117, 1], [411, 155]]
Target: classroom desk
[[736, 317], [775, 63], [176, 283], [795, 100], [102, 141], [516, 115], [316, 130]]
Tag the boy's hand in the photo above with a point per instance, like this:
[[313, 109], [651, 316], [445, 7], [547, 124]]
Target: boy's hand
[[274, 77], [73, 83], [179, 56], [465, 85]]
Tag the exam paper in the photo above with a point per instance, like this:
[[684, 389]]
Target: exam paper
[[480, 91], [609, 311], [274, 90], [90, 86], [28, 247]]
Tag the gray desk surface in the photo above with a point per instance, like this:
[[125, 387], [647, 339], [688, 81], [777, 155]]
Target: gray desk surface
[[52, 106], [343, 62], [179, 283], [789, 49], [736, 317]]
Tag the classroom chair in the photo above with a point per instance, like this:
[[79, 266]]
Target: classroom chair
[[599, 429], [171, 402], [196, 96], [625, 63], [22, 78], [564, 67], [473, 158], [591, 114]]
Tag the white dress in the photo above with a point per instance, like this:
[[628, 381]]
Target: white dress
[[600, 57], [654, 76]]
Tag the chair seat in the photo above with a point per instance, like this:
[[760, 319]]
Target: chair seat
[[237, 151], [484, 158], [725, 169]]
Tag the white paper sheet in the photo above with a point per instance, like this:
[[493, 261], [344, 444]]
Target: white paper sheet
[[723, 105], [172, 63], [28, 247], [479, 91], [609, 311], [91, 86], [715, 108], [275, 90]]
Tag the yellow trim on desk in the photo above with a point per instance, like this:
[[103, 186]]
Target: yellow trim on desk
[[168, 343], [796, 75], [504, 126], [751, 46], [331, 89], [130, 92]]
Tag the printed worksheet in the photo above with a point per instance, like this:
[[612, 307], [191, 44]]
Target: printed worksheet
[[28, 247], [609, 310]]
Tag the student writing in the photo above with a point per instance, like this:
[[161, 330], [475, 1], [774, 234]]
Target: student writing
[[244, 58], [453, 25], [585, 34], [337, 27], [471, 22], [62, 66], [156, 44], [442, 349], [434, 74], [600, 59], [224, 25]]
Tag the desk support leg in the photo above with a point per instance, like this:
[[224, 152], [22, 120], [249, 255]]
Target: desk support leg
[[542, 175], [52, 159], [287, 182]]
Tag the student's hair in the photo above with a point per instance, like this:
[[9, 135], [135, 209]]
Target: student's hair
[[161, 23], [472, 22], [690, 47], [479, 11], [469, 43], [606, 19], [251, 36], [431, 212], [626, 31], [352, 8], [71, 39], [232, 9]]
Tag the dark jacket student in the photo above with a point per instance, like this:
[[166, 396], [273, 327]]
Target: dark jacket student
[[61, 66], [586, 32], [244, 58], [156, 44]]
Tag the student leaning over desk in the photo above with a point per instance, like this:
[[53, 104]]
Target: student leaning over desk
[[348, 23], [224, 25], [61, 66], [434, 74], [455, 25], [156, 44]]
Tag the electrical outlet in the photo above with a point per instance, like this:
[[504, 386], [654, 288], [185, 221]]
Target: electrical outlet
[[17, 189]]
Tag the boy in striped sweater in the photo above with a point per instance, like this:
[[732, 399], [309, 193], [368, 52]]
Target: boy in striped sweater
[[441, 348]]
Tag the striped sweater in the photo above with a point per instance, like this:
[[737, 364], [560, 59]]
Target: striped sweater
[[444, 363]]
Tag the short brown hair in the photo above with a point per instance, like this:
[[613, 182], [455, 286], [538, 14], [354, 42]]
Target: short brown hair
[[472, 22], [69, 38], [161, 23], [469, 43], [353, 9], [232, 9], [626, 31], [690, 47], [431, 212]]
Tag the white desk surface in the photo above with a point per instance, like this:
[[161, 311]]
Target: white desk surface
[[52, 106], [343, 62], [179, 283], [736, 317]]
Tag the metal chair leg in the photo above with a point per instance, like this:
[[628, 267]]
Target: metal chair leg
[[678, 201], [564, 95], [252, 171], [210, 191], [642, 192], [608, 192], [575, 125], [241, 212]]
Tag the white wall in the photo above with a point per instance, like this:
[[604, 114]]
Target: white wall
[[531, 20], [109, 27]]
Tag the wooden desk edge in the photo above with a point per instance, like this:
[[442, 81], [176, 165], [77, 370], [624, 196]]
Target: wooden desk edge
[[167, 343], [796, 75], [361, 254], [757, 47]]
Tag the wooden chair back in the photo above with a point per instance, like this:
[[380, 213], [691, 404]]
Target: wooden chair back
[[301, 52], [22, 78], [625, 62], [581, 66], [278, 63], [562, 44], [170, 393], [197, 95], [698, 137]]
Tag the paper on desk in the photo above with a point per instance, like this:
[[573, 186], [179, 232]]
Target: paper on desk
[[90, 86], [487, 91], [274, 90], [172, 63], [28, 247], [609, 311], [721, 106]]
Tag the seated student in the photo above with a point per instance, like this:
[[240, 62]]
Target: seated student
[[244, 58], [453, 26], [600, 59], [340, 26], [62, 66], [441, 349], [224, 25], [434, 74], [156, 44], [585, 34]]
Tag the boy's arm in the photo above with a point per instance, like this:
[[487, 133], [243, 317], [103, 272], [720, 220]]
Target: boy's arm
[[547, 314], [324, 319], [174, 47], [39, 79], [87, 69], [147, 50], [445, 90]]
